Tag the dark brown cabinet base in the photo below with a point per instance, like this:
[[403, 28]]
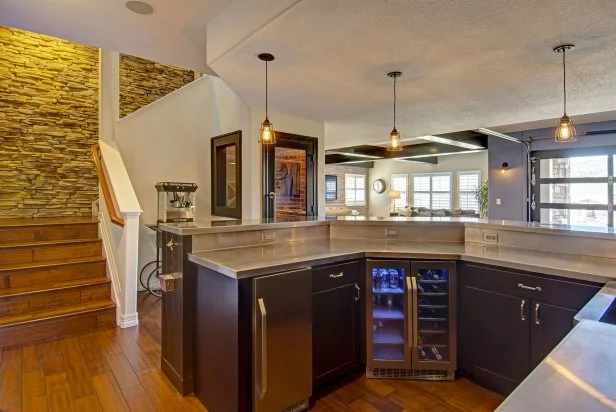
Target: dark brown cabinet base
[[336, 321], [509, 321]]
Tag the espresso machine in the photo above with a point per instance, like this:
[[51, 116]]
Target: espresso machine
[[176, 201]]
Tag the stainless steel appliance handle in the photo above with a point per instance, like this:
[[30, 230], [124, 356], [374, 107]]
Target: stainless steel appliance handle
[[272, 196], [533, 288], [357, 290], [412, 295], [537, 320], [337, 275], [263, 347], [522, 305]]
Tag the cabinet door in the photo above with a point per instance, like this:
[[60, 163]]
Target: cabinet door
[[550, 324], [335, 332], [495, 338]]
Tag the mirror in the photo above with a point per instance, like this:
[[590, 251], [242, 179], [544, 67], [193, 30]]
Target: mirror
[[227, 175]]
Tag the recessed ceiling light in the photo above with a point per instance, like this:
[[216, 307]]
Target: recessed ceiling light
[[139, 7]]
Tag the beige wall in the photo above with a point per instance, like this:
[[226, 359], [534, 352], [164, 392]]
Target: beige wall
[[380, 205], [48, 122]]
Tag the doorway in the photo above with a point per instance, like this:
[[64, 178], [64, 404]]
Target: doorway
[[289, 177]]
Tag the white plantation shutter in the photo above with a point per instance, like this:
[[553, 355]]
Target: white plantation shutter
[[399, 183], [432, 190], [355, 190], [468, 182]]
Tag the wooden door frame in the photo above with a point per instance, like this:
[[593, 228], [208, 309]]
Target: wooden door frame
[[292, 141]]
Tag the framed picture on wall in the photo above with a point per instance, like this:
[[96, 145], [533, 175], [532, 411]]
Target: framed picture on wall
[[331, 187]]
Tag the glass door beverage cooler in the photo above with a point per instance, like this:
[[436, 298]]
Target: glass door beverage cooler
[[411, 319]]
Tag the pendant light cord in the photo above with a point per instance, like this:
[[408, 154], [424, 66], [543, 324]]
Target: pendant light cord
[[564, 82], [266, 89], [394, 102]]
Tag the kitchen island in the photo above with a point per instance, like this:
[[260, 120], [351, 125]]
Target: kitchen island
[[566, 265]]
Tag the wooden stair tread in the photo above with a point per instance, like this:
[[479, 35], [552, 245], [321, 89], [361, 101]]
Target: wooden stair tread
[[50, 263], [51, 287], [25, 318], [46, 221], [47, 243]]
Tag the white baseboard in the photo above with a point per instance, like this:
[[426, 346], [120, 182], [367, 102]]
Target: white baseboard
[[127, 321]]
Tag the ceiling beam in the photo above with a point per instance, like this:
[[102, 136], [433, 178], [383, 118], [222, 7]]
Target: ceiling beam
[[431, 160]]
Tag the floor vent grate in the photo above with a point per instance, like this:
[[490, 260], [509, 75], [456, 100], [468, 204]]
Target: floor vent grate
[[409, 374]]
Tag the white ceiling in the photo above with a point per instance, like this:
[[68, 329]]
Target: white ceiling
[[466, 64]]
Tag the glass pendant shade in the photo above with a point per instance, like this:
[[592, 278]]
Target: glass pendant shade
[[394, 144], [565, 131], [267, 134]]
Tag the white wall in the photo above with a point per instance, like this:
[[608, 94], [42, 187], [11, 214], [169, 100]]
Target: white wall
[[169, 140], [379, 204]]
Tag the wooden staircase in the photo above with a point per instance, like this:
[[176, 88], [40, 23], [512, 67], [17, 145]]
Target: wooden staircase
[[53, 279]]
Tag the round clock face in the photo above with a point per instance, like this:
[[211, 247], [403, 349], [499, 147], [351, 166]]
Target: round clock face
[[379, 185]]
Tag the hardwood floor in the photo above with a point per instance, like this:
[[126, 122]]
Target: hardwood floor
[[119, 370]]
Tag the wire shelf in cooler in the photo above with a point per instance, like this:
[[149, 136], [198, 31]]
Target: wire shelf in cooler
[[383, 312], [390, 291], [433, 293], [428, 306], [433, 331], [430, 319], [388, 352], [432, 280]]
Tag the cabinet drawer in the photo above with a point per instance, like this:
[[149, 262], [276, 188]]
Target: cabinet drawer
[[563, 293], [333, 276]]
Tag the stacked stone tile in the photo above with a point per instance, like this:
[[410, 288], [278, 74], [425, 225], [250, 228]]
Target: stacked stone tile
[[143, 82], [48, 122]]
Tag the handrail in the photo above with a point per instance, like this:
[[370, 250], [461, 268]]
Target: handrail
[[113, 215]]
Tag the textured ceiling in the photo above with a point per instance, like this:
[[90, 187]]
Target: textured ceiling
[[465, 64]]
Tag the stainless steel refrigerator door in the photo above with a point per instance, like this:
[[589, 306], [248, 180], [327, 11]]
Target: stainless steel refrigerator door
[[282, 336], [434, 316]]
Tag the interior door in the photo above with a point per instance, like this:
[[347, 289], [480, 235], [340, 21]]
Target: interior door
[[550, 324], [289, 177], [282, 349]]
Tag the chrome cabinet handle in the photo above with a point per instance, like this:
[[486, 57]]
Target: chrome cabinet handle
[[357, 290], [533, 288], [411, 285], [522, 305], [336, 276], [263, 347], [537, 320]]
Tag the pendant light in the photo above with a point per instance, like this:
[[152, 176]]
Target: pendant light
[[266, 133], [565, 131], [394, 144]]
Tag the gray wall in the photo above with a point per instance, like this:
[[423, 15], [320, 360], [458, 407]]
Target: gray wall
[[511, 187]]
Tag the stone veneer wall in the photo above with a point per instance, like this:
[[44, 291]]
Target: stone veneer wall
[[339, 171], [48, 122], [143, 82]]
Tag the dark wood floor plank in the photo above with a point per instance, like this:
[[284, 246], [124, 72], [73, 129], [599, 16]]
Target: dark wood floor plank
[[88, 403], [93, 355], [139, 361], [33, 391], [10, 379], [58, 392], [32, 358], [160, 391]]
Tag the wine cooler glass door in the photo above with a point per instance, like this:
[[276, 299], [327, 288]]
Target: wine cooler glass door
[[388, 314], [434, 334]]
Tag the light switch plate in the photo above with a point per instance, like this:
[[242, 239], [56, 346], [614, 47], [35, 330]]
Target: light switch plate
[[391, 232], [268, 236]]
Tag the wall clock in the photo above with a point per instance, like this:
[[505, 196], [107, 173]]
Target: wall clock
[[379, 186]]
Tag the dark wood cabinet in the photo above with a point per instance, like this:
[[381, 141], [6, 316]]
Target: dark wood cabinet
[[510, 320], [494, 338], [336, 321], [549, 326]]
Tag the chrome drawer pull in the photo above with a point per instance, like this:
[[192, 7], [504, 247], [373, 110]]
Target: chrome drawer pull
[[522, 316], [534, 289], [357, 295], [537, 320], [339, 275]]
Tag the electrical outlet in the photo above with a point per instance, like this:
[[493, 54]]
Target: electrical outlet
[[390, 232], [268, 236], [499, 201], [490, 237]]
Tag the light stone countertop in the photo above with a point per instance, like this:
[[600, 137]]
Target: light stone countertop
[[224, 225], [578, 375], [253, 261]]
